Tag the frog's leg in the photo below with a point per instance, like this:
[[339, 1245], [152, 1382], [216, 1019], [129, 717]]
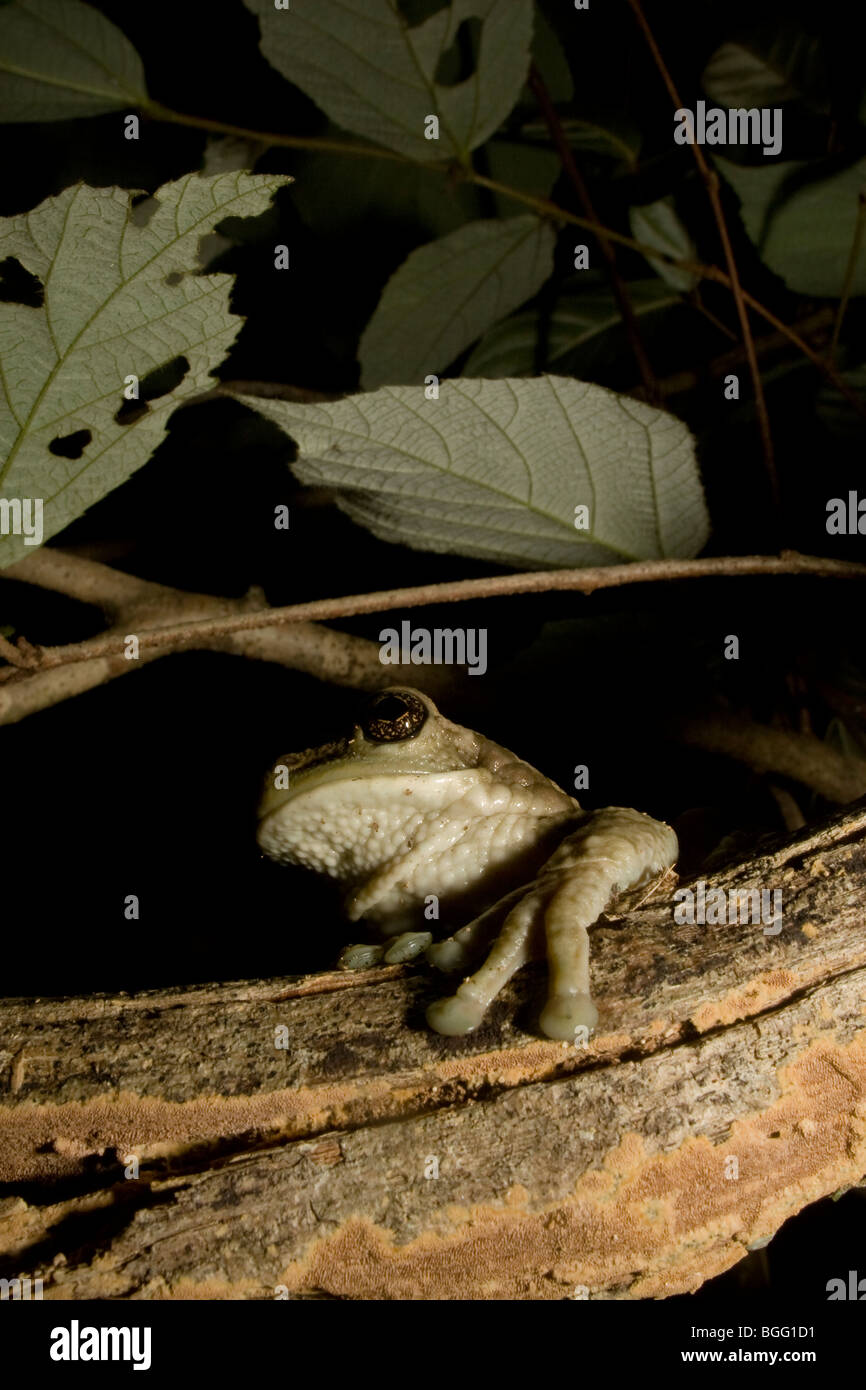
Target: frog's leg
[[372, 896], [613, 850], [513, 947], [455, 952]]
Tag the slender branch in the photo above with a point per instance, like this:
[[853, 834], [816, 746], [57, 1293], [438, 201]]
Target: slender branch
[[807, 759], [542, 206], [618, 286], [43, 678], [545, 208], [711, 180], [672, 385], [194, 631], [157, 112], [826, 368], [34, 681], [853, 257]]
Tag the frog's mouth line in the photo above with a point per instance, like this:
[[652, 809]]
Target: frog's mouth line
[[310, 770], [312, 757]]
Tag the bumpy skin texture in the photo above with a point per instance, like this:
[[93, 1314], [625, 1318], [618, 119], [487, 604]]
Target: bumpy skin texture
[[410, 806]]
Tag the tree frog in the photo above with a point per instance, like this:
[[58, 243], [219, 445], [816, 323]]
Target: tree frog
[[409, 811]]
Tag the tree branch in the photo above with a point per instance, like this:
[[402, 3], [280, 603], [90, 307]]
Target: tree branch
[[166, 619], [606, 1166], [229, 617]]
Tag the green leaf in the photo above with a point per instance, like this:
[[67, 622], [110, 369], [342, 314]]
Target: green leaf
[[549, 57], [659, 225], [787, 67], [521, 165], [510, 347], [63, 61], [335, 193], [446, 294], [121, 297], [495, 469], [372, 74], [803, 230], [616, 139]]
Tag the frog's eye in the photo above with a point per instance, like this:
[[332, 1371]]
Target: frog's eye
[[393, 715]]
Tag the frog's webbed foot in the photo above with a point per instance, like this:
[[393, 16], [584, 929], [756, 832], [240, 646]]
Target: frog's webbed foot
[[513, 947], [614, 849], [362, 956], [457, 952], [568, 1017]]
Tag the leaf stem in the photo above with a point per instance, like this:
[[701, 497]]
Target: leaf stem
[[853, 257], [711, 181], [617, 284]]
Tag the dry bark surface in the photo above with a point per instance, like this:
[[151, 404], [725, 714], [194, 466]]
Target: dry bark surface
[[310, 1137]]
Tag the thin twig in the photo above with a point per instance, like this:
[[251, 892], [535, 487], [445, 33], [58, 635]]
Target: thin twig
[[684, 381], [542, 206], [618, 286], [545, 208], [184, 635], [711, 180], [318, 144], [853, 257]]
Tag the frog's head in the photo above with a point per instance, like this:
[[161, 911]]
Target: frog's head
[[404, 772]]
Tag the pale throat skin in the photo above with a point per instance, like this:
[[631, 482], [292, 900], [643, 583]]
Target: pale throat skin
[[409, 807]]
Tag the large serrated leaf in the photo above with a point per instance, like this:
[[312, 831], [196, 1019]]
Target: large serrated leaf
[[495, 469], [804, 227], [372, 74], [120, 299], [449, 292], [64, 60]]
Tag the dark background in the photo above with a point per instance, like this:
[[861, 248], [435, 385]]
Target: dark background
[[148, 785]]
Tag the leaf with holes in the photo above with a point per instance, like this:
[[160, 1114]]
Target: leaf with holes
[[373, 74], [449, 292], [121, 298], [61, 61], [498, 469]]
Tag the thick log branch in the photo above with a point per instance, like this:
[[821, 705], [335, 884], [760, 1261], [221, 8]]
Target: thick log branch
[[164, 1145]]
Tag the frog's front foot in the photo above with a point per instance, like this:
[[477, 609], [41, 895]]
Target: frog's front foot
[[456, 1016], [448, 955], [568, 1017], [362, 956], [407, 946]]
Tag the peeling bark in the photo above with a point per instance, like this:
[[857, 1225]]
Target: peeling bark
[[162, 1146]]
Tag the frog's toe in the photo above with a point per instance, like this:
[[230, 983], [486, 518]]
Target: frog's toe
[[448, 955], [568, 1017], [407, 946], [455, 1016], [360, 957]]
